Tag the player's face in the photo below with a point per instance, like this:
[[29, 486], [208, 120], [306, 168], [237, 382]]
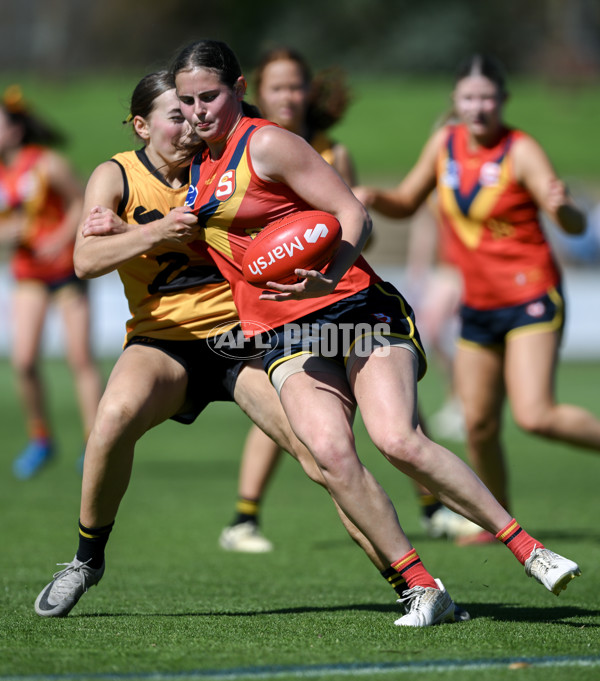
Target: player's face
[[478, 104], [10, 134], [283, 95], [166, 126], [210, 107]]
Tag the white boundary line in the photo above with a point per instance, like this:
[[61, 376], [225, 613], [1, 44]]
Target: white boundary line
[[304, 672]]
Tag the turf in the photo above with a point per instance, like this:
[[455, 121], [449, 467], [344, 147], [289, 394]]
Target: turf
[[172, 603]]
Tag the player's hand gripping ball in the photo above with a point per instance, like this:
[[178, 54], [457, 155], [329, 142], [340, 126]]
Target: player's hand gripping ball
[[305, 240]]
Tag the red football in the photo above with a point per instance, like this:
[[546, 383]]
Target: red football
[[305, 240]]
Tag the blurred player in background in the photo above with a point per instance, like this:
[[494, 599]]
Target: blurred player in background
[[40, 208], [433, 288], [492, 181]]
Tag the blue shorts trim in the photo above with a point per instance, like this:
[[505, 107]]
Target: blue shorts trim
[[493, 327], [349, 326]]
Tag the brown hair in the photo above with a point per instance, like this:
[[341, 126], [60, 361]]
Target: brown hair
[[35, 130], [329, 95]]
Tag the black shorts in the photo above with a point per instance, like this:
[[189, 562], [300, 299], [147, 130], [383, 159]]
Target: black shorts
[[491, 328], [352, 325], [211, 376], [55, 285]]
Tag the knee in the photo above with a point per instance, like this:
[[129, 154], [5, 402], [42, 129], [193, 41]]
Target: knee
[[481, 429], [534, 421], [403, 448], [26, 367], [113, 419], [335, 458]]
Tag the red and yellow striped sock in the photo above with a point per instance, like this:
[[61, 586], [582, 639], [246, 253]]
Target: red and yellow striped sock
[[38, 430], [518, 541], [413, 571]]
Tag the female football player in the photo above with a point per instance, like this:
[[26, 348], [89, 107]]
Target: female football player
[[169, 367], [492, 181], [40, 206], [249, 172]]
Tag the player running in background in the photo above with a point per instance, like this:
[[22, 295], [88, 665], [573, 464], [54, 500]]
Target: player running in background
[[276, 174], [40, 207], [492, 181]]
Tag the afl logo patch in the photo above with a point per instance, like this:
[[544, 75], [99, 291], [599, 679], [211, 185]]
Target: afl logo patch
[[226, 186], [451, 174], [489, 174], [190, 197], [536, 309]]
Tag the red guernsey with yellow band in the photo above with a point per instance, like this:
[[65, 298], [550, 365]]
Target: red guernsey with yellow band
[[233, 205]]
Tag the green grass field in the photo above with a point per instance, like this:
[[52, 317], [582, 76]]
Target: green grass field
[[172, 605]]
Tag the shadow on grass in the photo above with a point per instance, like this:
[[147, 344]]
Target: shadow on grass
[[501, 612]]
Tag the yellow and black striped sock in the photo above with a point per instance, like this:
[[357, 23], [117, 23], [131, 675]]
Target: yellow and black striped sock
[[413, 571], [92, 542], [429, 504], [396, 580], [246, 510]]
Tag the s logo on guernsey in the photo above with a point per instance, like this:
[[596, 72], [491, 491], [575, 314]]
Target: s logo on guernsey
[[226, 186], [190, 197]]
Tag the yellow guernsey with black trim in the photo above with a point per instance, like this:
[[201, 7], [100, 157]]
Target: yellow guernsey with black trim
[[174, 292]]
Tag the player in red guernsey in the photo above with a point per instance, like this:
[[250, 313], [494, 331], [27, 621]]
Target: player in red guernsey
[[288, 94], [40, 203], [169, 367], [492, 181], [251, 172]]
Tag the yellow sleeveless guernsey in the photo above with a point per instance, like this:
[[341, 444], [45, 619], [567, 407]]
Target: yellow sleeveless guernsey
[[174, 293]]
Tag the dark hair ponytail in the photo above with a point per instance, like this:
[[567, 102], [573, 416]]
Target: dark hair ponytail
[[483, 65], [146, 92]]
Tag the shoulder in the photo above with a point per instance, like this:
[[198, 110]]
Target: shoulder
[[52, 162], [109, 174], [436, 142], [271, 141], [524, 146]]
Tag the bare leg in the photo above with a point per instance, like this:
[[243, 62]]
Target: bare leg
[[30, 305], [257, 397], [530, 376], [75, 311], [259, 461], [124, 415], [385, 389], [480, 383]]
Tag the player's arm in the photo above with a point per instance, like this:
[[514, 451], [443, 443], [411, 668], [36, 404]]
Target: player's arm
[[534, 171], [280, 156], [63, 181], [343, 163], [403, 200], [104, 241]]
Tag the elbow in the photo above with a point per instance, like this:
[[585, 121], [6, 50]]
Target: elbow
[[83, 269]]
